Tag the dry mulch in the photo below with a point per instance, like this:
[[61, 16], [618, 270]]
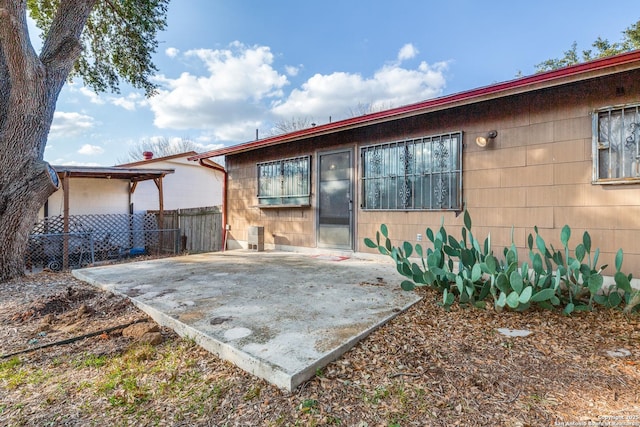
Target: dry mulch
[[427, 367]]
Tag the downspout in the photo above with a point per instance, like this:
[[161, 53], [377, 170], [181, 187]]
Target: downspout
[[224, 200]]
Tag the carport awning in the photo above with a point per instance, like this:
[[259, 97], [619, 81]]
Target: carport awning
[[131, 174]]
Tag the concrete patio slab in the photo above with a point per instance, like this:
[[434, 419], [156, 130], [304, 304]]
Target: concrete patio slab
[[277, 315]]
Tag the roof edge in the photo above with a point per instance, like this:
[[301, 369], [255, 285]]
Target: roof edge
[[110, 172], [211, 164], [158, 159], [523, 84]]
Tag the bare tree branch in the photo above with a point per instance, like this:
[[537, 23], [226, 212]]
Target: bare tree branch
[[290, 125], [160, 147]]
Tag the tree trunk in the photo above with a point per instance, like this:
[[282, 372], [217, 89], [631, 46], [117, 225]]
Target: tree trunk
[[29, 89], [20, 202]]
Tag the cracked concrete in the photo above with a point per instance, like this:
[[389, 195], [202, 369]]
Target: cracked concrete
[[277, 315]]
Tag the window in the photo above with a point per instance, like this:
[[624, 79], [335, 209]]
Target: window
[[616, 141], [415, 174], [285, 182]]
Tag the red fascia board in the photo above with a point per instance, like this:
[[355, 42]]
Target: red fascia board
[[212, 165], [536, 79]]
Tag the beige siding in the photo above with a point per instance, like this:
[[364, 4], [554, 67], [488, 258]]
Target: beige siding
[[537, 172], [282, 226]]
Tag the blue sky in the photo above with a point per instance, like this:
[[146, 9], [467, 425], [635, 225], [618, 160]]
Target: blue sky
[[227, 68]]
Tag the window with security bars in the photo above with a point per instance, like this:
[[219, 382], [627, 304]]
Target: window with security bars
[[415, 174], [285, 182], [616, 144]]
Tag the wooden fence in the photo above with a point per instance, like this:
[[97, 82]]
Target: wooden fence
[[200, 228]]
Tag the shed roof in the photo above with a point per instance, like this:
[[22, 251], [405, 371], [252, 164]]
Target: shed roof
[[131, 174], [575, 73]]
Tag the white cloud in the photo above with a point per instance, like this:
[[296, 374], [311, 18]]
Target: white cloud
[[241, 91], [172, 52], [94, 98], [128, 102], [204, 142], [291, 70], [67, 125], [407, 51], [228, 100], [337, 93], [64, 162], [208, 147], [90, 150]]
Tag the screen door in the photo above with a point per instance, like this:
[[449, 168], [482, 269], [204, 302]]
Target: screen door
[[335, 203]]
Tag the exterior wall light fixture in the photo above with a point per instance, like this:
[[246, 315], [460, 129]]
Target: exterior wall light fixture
[[483, 140]]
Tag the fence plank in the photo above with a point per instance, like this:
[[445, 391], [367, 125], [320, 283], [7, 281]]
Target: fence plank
[[202, 227]]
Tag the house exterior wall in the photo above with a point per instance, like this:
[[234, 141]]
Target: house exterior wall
[[190, 186], [293, 226], [91, 196], [537, 172]]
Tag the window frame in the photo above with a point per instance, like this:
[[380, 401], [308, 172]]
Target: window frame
[[597, 146], [284, 196], [396, 161]]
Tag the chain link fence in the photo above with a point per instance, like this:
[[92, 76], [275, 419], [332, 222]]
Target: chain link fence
[[95, 239]]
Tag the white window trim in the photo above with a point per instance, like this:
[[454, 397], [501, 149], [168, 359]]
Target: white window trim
[[284, 196], [595, 147]]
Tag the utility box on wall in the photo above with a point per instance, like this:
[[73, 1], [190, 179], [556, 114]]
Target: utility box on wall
[[255, 238]]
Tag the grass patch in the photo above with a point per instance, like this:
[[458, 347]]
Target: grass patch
[[309, 406], [89, 360], [380, 393], [14, 374], [9, 365], [11, 373], [208, 399], [252, 393], [146, 374]]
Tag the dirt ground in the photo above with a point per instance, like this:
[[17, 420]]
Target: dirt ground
[[427, 367]]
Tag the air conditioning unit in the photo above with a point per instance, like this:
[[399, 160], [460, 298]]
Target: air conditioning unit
[[255, 238]]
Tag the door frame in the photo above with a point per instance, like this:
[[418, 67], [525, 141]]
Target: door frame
[[352, 216]]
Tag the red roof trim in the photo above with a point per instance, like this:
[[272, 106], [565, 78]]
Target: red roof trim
[[212, 165], [540, 78]]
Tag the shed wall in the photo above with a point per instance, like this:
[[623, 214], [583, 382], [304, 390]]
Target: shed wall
[[91, 196], [190, 186]]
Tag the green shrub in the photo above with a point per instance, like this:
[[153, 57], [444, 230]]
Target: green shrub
[[467, 270]]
